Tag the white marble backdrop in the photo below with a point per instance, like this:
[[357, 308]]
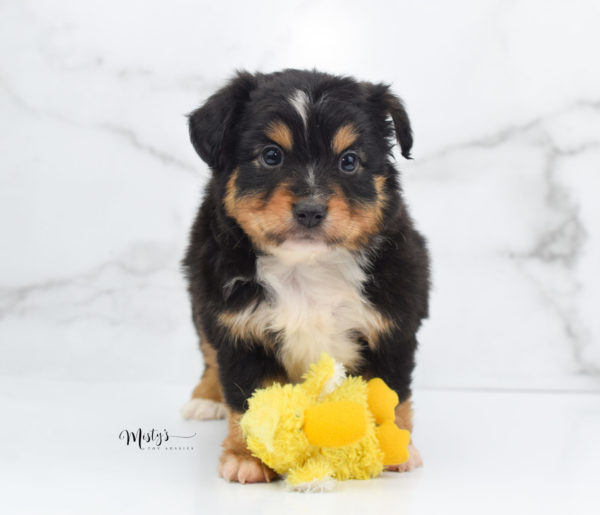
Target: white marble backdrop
[[99, 184]]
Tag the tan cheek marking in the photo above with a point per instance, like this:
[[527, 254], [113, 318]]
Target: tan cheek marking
[[379, 184], [260, 219], [281, 134], [230, 195], [355, 225], [344, 137]]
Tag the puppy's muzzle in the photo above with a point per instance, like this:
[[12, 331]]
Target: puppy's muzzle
[[309, 213]]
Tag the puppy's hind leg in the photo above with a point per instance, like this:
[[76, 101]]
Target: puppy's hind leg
[[207, 398]]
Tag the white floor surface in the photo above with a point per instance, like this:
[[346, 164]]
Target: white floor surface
[[484, 453]]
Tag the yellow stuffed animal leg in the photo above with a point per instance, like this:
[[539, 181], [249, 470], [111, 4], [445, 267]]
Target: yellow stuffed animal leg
[[314, 476], [393, 442], [381, 399]]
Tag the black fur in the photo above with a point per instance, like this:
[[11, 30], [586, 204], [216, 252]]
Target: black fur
[[228, 132]]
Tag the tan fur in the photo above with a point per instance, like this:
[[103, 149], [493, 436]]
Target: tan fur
[[234, 442], [353, 226], [404, 415], [344, 137], [248, 324], [268, 220], [404, 420], [264, 220], [236, 463], [281, 134], [380, 325], [209, 386]]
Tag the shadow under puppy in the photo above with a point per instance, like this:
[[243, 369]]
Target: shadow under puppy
[[302, 244]]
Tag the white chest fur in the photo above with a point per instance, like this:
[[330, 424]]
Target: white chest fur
[[316, 304]]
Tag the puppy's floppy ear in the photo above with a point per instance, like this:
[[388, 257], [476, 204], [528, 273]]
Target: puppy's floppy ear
[[385, 103], [212, 126]]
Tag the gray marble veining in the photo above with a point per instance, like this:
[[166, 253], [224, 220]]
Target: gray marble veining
[[99, 184]]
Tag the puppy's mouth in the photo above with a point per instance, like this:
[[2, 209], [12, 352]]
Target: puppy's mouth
[[299, 235], [299, 249], [308, 235]]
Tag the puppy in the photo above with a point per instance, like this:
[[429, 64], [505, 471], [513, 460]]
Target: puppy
[[302, 244]]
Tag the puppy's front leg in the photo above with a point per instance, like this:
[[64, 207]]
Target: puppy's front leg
[[242, 370], [236, 463]]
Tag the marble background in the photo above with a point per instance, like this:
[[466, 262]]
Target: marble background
[[99, 184]]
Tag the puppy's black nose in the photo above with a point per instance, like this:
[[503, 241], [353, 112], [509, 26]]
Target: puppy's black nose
[[309, 213]]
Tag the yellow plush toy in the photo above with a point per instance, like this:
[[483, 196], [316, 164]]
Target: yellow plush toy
[[329, 427]]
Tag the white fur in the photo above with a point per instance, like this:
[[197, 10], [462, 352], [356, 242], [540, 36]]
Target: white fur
[[315, 303], [203, 409], [299, 101], [339, 373], [310, 176]]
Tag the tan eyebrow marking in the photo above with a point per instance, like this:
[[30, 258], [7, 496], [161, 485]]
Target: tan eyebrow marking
[[344, 137], [281, 134]]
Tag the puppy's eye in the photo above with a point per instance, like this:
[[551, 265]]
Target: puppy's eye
[[272, 156], [348, 163]]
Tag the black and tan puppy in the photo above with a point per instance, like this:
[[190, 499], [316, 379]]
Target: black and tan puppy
[[302, 244]]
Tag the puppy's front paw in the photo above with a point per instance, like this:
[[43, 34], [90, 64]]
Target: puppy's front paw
[[243, 468], [203, 409], [413, 462]]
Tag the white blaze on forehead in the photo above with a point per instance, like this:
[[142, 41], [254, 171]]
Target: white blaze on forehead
[[299, 101], [310, 176]]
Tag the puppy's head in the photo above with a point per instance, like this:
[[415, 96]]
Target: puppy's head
[[303, 157]]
